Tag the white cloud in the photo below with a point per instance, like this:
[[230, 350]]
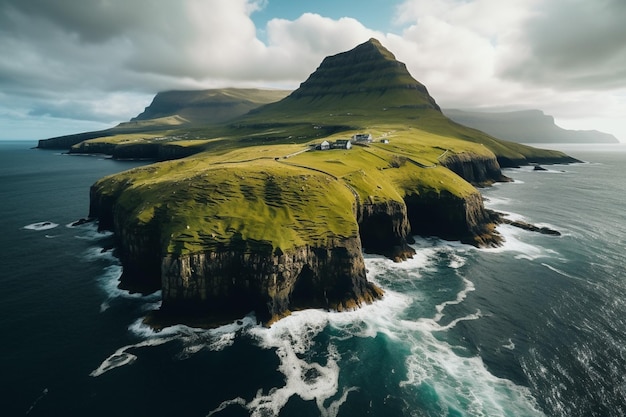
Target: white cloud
[[557, 55], [574, 44], [103, 60]]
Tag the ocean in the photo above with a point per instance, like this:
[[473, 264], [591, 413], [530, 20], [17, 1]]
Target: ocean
[[536, 327]]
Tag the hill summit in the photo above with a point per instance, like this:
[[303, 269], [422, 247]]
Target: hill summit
[[367, 77]]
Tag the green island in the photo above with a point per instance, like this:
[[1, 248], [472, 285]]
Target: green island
[[249, 211]]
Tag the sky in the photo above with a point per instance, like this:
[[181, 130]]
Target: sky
[[71, 66]]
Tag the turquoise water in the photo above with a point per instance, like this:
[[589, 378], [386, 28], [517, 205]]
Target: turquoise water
[[530, 329]]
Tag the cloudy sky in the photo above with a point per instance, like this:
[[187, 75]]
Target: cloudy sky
[[68, 66]]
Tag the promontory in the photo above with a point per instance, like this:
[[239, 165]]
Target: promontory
[[269, 206]]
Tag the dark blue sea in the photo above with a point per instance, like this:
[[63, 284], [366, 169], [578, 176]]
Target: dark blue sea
[[534, 328]]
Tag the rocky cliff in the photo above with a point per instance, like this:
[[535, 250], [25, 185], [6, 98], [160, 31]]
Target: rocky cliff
[[384, 229], [233, 279], [476, 169], [452, 218], [272, 284]]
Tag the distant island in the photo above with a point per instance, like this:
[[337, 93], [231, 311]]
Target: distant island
[[526, 126], [265, 200]]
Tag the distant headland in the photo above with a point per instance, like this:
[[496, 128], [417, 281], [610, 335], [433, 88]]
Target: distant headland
[[526, 126]]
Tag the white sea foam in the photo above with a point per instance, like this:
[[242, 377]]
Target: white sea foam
[[459, 378], [121, 357], [109, 282], [89, 231], [193, 341], [32, 407], [39, 226], [98, 253], [491, 201], [291, 338], [463, 382], [456, 261], [510, 345], [558, 271], [468, 287], [512, 243]]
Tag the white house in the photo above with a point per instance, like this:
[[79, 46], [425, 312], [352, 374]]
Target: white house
[[342, 144]]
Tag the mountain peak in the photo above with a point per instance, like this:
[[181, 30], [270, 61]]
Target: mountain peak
[[367, 76], [374, 44]]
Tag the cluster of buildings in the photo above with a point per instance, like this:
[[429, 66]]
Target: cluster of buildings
[[360, 138]]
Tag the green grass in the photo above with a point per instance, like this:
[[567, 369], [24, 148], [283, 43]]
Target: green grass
[[256, 199], [248, 188], [260, 205]]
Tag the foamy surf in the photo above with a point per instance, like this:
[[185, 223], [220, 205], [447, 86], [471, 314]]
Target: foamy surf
[[294, 338], [122, 357], [513, 243], [39, 226], [310, 344]]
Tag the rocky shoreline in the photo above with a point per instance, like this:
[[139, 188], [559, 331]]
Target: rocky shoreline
[[225, 284]]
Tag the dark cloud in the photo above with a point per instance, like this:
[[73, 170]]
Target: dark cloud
[[575, 44], [92, 21]]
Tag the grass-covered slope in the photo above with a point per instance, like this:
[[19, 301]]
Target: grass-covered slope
[[201, 205], [171, 116], [364, 89], [263, 198], [250, 181], [208, 106]]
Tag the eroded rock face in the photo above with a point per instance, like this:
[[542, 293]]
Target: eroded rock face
[[384, 229], [452, 218], [475, 169], [332, 277]]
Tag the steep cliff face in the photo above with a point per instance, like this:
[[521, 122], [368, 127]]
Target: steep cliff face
[[452, 218], [384, 229], [225, 281], [271, 284], [88, 147], [475, 169]]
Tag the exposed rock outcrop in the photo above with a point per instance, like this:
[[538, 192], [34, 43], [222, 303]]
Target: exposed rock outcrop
[[453, 218], [272, 284], [384, 229], [475, 169]]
